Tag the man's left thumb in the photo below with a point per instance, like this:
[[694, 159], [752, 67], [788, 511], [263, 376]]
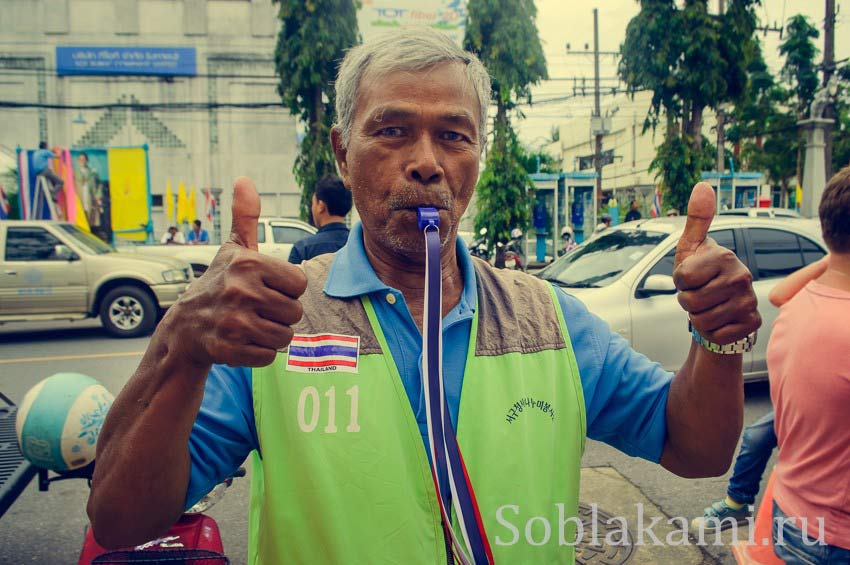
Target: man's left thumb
[[701, 208]]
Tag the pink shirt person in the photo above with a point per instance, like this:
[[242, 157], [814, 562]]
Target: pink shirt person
[[808, 360]]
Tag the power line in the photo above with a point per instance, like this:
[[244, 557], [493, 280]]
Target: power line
[[160, 78], [161, 106]]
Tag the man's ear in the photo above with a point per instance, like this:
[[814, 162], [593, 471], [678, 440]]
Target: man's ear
[[341, 154]]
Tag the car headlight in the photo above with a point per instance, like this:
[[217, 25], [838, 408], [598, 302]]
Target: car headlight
[[175, 275]]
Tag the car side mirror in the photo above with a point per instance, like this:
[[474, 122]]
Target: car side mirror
[[655, 285], [64, 253]]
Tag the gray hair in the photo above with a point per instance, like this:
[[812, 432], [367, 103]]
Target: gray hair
[[413, 50]]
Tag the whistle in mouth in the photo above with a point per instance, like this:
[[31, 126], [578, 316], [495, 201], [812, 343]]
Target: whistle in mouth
[[428, 217]]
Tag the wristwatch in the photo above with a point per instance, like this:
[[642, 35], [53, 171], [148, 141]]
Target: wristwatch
[[743, 345]]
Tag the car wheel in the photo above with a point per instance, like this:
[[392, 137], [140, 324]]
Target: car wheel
[[128, 311]]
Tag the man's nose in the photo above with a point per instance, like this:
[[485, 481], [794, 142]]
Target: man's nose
[[424, 166]]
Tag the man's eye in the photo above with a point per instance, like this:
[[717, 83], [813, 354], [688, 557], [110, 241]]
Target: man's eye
[[453, 136], [391, 132]]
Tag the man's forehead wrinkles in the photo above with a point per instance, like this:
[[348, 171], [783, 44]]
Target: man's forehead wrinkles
[[392, 111]]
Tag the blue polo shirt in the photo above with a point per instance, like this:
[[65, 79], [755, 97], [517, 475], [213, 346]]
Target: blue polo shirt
[[625, 394], [202, 237]]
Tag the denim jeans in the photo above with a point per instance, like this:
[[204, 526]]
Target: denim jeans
[[796, 549], [757, 445]]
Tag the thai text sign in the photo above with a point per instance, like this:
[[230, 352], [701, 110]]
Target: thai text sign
[[168, 61]]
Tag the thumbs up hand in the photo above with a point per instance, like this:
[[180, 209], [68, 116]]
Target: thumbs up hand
[[241, 310], [246, 214], [715, 288]]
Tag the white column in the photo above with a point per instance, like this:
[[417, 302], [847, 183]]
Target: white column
[[814, 172]]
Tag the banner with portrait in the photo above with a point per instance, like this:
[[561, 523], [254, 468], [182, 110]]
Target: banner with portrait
[[108, 192], [91, 177]]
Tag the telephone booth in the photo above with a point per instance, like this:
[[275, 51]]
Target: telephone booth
[[562, 199]]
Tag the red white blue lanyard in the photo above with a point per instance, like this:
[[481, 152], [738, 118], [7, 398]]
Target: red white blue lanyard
[[447, 467]]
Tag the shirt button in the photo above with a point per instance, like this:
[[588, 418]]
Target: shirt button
[[391, 298]]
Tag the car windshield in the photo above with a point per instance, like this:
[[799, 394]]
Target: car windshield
[[602, 260], [86, 240]]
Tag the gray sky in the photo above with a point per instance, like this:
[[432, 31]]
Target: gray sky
[[571, 21]]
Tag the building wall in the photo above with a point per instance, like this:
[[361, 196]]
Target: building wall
[[202, 145], [628, 176]]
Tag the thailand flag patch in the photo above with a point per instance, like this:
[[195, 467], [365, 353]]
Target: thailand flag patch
[[320, 353]]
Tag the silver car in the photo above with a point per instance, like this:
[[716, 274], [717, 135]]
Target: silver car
[[625, 276]]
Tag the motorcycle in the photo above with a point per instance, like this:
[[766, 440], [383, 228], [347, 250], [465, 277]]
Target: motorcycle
[[514, 255], [478, 247], [194, 537]]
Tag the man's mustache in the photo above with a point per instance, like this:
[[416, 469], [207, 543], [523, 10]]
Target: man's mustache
[[408, 197]]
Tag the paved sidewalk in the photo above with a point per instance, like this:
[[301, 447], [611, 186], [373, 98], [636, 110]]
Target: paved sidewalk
[[618, 497]]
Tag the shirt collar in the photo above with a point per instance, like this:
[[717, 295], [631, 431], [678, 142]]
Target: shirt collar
[[333, 226], [352, 275]]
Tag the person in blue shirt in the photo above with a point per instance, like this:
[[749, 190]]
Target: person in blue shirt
[[198, 235], [41, 159], [330, 204], [412, 114]]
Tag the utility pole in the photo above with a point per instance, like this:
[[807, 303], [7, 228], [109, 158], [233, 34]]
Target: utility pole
[[597, 112], [828, 70], [721, 122]]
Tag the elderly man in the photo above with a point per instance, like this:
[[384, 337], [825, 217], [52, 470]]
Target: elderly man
[[340, 424]]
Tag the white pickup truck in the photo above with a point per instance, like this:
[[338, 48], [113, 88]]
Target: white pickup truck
[[275, 237], [56, 271]]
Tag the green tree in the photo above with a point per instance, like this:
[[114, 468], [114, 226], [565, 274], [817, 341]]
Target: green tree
[[766, 118], [702, 65], [841, 140], [841, 133], [501, 192], [504, 35], [800, 69], [763, 127], [311, 43], [534, 161]]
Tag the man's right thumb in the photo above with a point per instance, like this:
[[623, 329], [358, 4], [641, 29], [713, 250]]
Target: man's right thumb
[[246, 213]]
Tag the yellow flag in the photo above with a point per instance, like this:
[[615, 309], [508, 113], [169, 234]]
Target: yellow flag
[[169, 203], [182, 204], [192, 215]]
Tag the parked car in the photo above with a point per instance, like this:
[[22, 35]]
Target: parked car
[[56, 271], [275, 237], [761, 212], [625, 277]]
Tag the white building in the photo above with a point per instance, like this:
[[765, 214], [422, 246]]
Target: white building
[[199, 127], [627, 175]]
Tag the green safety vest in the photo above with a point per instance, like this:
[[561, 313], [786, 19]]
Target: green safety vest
[[344, 475]]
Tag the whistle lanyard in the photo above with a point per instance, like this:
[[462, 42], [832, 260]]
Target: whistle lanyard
[[447, 467]]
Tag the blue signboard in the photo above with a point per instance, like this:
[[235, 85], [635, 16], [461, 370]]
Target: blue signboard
[[168, 61]]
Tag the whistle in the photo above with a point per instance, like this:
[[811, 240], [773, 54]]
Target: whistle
[[428, 217]]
